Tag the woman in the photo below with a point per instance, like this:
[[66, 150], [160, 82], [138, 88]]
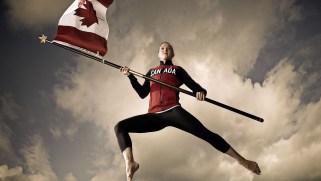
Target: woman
[[165, 110]]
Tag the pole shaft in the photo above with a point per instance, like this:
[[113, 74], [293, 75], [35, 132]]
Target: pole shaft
[[157, 81]]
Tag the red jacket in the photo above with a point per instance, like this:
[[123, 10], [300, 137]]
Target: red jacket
[[163, 97]]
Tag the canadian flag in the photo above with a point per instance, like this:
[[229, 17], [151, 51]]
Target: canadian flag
[[85, 27]]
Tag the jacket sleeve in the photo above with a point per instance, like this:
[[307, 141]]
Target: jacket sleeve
[[142, 90], [186, 79]]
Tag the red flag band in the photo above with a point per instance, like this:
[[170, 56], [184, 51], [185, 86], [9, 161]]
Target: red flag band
[[85, 27], [106, 3]]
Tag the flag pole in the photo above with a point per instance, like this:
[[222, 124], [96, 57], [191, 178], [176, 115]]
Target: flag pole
[[43, 39]]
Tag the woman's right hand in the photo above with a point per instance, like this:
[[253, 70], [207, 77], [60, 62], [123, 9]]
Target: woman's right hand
[[125, 70], [81, 2]]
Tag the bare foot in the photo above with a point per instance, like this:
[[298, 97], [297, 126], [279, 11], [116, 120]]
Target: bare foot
[[131, 168], [252, 166]]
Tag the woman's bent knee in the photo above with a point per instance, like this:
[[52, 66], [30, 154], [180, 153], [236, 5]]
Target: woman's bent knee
[[117, 128]]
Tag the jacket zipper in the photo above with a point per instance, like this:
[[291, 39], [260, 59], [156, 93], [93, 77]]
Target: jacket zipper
[[160, 90]]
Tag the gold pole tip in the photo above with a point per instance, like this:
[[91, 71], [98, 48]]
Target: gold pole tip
[[43, 38]]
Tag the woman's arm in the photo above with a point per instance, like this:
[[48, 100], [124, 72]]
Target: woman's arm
[[142, 90], [186, 79]]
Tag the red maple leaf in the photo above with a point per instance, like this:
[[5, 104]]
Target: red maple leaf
[[88, 14]]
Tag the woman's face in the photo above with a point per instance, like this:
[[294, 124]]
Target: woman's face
[[165, 52]]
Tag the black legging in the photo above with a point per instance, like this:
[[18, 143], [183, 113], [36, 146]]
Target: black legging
[[176, 117]]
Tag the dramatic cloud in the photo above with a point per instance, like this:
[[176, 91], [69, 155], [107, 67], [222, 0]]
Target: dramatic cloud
[[36, 158], [222, 31], [37, 164], [9, 110], [8, 107], [34, 14], [8, 174], [281, 157], [63, 132], [70, 177]]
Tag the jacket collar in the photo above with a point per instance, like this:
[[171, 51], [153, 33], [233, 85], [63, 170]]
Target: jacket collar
[[168, 62]]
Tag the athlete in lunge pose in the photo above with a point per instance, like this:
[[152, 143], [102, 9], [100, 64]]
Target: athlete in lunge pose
[[165, 110]]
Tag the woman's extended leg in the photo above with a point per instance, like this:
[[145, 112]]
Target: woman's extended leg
[[183, 120], [138, 124]]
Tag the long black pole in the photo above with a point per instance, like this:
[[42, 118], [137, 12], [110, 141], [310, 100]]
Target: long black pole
[[151, 79]]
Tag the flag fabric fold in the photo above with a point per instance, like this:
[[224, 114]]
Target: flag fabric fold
[[85, 27]]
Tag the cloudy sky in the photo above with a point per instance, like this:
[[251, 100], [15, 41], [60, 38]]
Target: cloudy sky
[[58, 109]]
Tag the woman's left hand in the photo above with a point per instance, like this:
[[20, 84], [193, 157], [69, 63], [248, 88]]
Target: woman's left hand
[[200, 96]]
